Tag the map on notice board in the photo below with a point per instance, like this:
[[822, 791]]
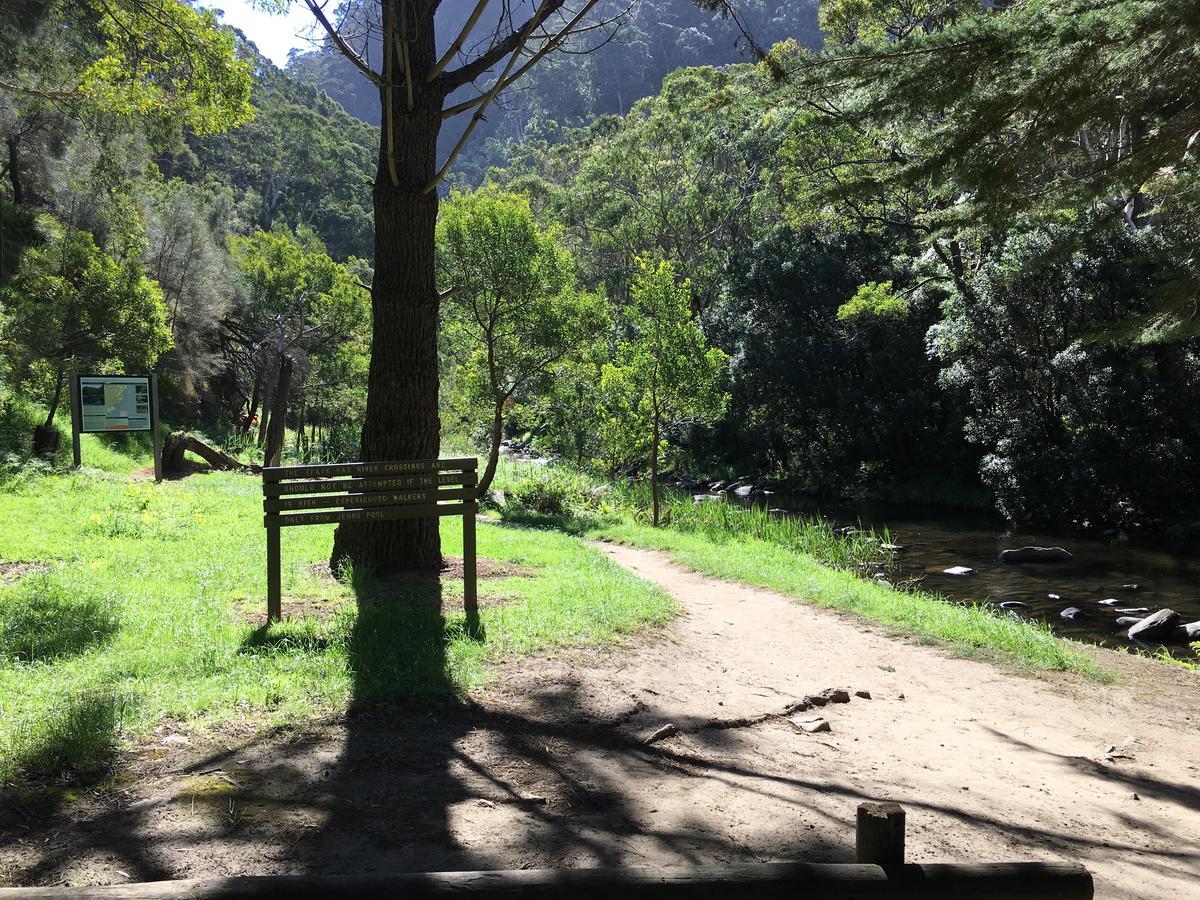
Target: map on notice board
[[114, 402]]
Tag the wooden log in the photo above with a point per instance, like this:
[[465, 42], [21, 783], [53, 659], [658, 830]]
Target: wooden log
[[179, 443], [769, 881], [879, 837]]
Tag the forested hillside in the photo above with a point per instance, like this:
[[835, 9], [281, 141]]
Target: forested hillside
[[959, 295], [641, 44], [202, 235]]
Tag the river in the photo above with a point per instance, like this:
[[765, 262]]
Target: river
[[1141, 576]]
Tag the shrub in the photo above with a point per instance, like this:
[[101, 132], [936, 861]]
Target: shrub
[[550, 493]]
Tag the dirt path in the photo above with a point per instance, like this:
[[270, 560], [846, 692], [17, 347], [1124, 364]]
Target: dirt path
[[550, 768]]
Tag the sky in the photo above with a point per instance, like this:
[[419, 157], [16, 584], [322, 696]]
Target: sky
[[274, 35]]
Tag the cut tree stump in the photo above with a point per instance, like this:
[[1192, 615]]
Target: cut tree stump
[[177, 445]]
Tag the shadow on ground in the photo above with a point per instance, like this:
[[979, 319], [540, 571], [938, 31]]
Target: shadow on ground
[[543, 772]]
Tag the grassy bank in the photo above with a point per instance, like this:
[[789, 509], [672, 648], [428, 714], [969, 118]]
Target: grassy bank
[[806, 560], [137, 604]]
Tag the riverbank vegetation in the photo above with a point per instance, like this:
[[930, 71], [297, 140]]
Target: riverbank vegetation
[[805, 559]]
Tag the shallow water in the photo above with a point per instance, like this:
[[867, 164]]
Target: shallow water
[[937, 539]]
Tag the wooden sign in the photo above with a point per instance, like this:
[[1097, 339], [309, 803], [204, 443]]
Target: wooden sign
[[369, 492]]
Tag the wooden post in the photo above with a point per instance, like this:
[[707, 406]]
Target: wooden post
[[879, 837], [274, 588], [76, 422], [156, 434], [470, 580]]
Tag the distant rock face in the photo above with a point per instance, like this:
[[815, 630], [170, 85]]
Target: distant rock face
[[1034, 554], [1155, 626]]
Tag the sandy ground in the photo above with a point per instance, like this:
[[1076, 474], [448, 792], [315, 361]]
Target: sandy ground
[[550, 768]]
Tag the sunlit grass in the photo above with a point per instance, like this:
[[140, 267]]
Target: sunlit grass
[[145, 614]]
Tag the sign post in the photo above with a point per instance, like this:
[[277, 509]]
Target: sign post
[[111, 403], [370, 492]]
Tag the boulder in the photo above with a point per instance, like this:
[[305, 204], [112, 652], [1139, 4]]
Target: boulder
[[1111, 601], [1053, 597], [1126, 621], [958, 570], [706, 498], [1161, 623], [1071, 612], [744, 490], [1187, 634], [1014, 604], [1131, 587], [1034, 554], [1132, 610]]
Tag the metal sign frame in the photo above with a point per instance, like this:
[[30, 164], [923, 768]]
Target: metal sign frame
[[369, 492], [77, 418]]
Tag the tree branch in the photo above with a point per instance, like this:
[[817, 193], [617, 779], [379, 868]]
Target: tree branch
[[511, 43], [346, 50], [551, 43], [458, 42]]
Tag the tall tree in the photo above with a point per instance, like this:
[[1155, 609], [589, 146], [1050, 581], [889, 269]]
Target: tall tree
[[418, 86], [666, 370], [515, 310]]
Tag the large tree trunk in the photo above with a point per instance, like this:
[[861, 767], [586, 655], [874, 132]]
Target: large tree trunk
[[279, 404], [402, 385]]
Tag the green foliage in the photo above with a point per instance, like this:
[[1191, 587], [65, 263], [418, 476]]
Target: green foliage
[[72, 307], [515, 312], [160, 61], [873, 301]]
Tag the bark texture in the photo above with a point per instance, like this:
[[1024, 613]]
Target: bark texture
[[402, 387]]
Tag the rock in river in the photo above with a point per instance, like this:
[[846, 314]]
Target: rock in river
[[1188, 633], [1014, 604], [1071, 612], [1111, 601], [1034, 554], [1155, 626], [1126, 621], [957, 570]]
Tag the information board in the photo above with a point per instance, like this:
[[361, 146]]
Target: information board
[[114, 403]]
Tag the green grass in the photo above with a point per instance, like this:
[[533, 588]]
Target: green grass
[[143, 614], [805, 560]]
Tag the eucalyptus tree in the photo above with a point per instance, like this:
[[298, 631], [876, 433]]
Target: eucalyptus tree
[[515, 312], [665, 374], [421, 86]]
